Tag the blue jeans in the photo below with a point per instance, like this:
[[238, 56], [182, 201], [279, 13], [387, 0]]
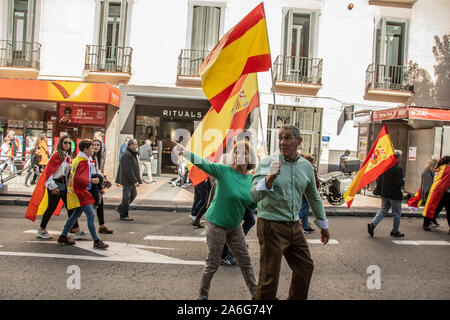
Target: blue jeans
[[303, 214], [90, 214], [386, 204]]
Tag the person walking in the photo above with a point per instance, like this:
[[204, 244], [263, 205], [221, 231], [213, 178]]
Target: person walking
[[129, 177], [100, 137], [33, 168], [78, 196], [426, 180], [55, 176], [389, 186], [97, 159], [42, 150], [202, 205], [279, 183], [304, 209], [346, 154], [5, 158], [224, 216], [145, 157], [439, 196]]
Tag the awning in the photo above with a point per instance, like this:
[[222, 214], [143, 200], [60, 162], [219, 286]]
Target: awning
[[413, 112], [59, 91]]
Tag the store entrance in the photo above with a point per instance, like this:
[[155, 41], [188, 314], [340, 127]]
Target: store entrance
[[169, 134]]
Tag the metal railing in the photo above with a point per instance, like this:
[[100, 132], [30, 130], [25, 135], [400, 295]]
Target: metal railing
[[108, 58], [388, 77], [298, 69], [20, 54], [189, 62]]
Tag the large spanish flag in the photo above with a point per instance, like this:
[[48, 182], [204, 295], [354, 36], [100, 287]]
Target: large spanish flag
[[242, 50], [381, 158], [210, 137], [439, 187], [39, 199]]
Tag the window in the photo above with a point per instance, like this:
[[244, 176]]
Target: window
[[112, 33], [205, 28], [390, 53], [299, 44]]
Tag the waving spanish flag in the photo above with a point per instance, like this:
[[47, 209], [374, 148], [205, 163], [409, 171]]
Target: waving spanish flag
[[439, 187], [216, 128], [39, 199], [242, 50], [381, 158]]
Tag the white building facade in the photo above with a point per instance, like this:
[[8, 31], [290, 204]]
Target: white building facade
[[328, 56]]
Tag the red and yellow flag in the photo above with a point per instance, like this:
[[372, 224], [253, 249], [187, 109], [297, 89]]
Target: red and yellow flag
[[216, 128], [242, 50], [439, 187], [381, 158]]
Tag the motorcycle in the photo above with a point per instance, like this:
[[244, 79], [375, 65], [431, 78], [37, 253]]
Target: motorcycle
[[333, 185]]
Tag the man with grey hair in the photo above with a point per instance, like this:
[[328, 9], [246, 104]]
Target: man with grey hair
[[145, 157], [279, 183], [129, 177], [389, 186]]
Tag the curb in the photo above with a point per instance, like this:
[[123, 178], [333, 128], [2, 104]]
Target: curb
[[329, 210]]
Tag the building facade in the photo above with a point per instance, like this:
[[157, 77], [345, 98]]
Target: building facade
[[332, 62]]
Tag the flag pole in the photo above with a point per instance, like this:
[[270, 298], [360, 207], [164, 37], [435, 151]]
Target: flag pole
[[274, 111]]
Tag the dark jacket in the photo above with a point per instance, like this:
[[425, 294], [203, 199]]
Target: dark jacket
[[389, 184], [128, 173], [425, 183]]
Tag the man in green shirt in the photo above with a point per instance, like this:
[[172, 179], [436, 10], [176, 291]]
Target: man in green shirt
[[278, 186]]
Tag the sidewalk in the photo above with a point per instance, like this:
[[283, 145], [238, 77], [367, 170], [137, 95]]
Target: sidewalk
[[164, 197]]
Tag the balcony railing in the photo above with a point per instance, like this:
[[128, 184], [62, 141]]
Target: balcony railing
[[388, 77], [20, 54], [109, 59], [298, 69], [189, 62]]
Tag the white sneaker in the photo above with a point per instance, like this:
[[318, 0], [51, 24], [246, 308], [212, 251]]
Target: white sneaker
[[43, 235], [80, 235], [192, 217]]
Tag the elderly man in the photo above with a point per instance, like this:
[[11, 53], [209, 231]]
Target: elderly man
[[279, 184], [389, 186], [146, 156], [129, 177]]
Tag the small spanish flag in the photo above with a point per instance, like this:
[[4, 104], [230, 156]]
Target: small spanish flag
[[381, 158], [242, 50], [439, 187]]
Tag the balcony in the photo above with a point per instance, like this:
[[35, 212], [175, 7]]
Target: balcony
[[189, 62], [393, 3], [19, 60], [107, 64], [298, 74], [384, 81]]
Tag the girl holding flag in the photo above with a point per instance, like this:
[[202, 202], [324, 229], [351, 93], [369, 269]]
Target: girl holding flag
[[51, 190]]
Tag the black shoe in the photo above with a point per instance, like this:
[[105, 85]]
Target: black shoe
[[126, 219], [397, 234], [370, 228], [197, 224], [117, 209], [435, 223], [65, 241]]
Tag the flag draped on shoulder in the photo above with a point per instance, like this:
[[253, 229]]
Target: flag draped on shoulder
[[381, 158], [39, 199], [242, 50], [210, 137], [441, 183]]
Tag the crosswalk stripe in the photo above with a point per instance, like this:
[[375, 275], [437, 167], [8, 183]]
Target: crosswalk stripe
[[422, 242], [203, 239]]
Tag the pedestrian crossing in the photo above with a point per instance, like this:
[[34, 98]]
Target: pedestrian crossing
[[203, 239], [421, 242]]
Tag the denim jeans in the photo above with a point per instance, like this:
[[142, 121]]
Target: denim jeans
[[303, 214], [129, 193], [90, 214], [386, 204]]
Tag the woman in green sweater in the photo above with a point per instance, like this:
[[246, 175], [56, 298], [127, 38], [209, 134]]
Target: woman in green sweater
[[224, 215]]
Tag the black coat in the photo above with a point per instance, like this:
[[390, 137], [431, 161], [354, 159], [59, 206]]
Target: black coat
[[389, 184], [128, 173]]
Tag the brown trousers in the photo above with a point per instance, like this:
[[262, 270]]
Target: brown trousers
[[278, 239]]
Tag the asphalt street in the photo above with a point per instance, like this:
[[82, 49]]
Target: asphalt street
[[161, 256]]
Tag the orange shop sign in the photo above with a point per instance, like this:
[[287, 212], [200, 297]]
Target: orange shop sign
[[59, 91]]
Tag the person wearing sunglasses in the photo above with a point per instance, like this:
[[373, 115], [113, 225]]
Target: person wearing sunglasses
[[55, 175]]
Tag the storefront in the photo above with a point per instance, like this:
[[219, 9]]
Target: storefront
[[156, 113], [419, 132], [32, 107]]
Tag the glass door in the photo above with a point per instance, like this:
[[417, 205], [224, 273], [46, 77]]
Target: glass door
[[19, 33]]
